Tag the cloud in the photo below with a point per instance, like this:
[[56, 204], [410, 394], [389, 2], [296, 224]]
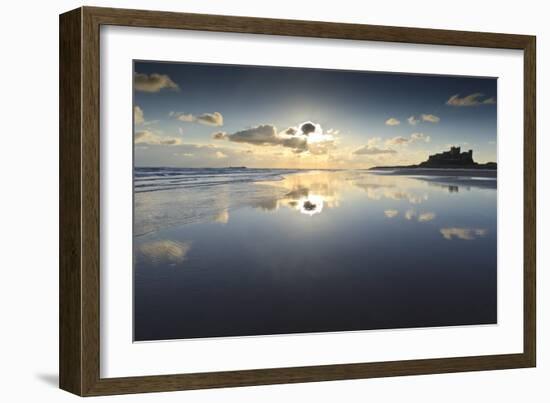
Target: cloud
[[373, 141], [203, 151], [470, 100], [153, 82], [259, 135], [139, 118], [430, 118], [210, 119], [373, 150], [184, 117], [466, 234], [401, 140], [413, 120], [138, 115], [150, 137], [291, 131], [425, 117], [307, 136], [391, 213], [420, 137], [392, 122], [184, 154], [321, 147]]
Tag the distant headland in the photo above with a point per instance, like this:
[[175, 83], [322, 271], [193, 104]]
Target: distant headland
[[452, 159]]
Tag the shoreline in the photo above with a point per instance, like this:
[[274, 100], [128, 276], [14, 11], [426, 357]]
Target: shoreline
[[442, 172]]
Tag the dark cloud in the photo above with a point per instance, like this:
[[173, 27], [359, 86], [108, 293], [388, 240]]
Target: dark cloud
[[267, 135], [259, 135], [264, 135], [291, 131], [307, 128], [153, 82], [212, 119], [296, 143]]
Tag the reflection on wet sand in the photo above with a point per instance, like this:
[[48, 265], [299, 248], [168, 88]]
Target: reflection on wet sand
[[426, 217], [380, 187], [222, 217], [467, 234], [412, 214], [312, 191], [309, 193], [454, 184], [164, 252], [313, 251]]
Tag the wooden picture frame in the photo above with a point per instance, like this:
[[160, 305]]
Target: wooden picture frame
[[79, 346]]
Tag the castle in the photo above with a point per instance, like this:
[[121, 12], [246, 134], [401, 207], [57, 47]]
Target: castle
[[451, 158]]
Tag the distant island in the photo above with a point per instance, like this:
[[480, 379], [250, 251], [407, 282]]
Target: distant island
[[452, 159]]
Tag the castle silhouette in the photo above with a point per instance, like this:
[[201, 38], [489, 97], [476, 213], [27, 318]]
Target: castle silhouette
[[453, 157]]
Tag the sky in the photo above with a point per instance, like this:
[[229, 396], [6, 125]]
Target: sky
[[213, 115]]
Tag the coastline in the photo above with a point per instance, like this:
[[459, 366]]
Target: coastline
[[445, 172]]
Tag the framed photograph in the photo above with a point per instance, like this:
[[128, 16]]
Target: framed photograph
[[248, 201]]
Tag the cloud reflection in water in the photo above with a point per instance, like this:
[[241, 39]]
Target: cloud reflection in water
[[466, 234], [165, 252]]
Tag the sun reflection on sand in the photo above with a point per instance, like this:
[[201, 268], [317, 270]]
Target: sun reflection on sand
[[311, 192], [308, 193], [222, 217]]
